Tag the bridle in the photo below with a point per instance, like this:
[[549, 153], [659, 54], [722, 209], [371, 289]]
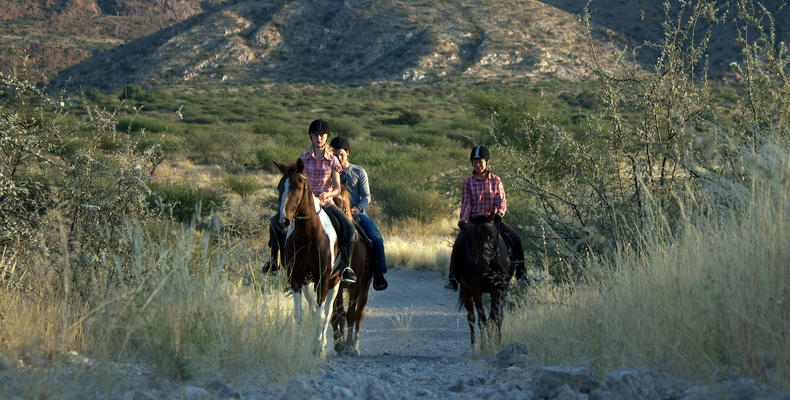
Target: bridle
[[301, 200]]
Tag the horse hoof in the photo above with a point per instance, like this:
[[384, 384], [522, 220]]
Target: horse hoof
[[340, 349]]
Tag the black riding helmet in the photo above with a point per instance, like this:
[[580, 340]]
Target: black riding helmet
[[479, 153], [319, 126], [339, 142]]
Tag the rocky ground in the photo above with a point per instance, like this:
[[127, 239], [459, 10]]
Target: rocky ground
[[414, 345]]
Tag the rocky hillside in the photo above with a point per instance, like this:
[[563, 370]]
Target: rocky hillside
[[51, 35], [348, 41], [106, 43]]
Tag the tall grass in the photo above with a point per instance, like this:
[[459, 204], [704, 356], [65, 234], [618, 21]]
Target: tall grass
[[712, 299], [184, 306]]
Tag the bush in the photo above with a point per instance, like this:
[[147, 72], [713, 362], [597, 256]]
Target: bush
[[181, 199], [243, 185], [267, 154], [408, 201]]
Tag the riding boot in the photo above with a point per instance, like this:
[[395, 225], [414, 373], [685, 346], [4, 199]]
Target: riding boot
[[379, 283], [345, 234], [521, 273]]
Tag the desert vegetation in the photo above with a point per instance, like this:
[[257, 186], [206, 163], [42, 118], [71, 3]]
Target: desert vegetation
[[651, 201]]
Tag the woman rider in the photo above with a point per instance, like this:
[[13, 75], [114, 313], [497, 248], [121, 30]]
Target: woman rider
[[323, 170], [356, 179], [483, 193]]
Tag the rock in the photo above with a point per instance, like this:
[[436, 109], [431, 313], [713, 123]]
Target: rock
[[222, 391], [546, 381], [339, 392], [422, 392], [458, 387], [193, 392], [377, 390], [628, 384], [4, 363], [297, 390], [565, 392], [512, 354]]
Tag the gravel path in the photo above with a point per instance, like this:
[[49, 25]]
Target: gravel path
[[413, 344]]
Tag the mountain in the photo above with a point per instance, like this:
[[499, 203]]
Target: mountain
[[107, 43], [348, 41]]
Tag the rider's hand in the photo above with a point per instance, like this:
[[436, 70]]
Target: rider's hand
[[355, 211], [322, 197]]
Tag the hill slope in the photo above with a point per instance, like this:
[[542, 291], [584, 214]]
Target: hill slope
[[348, 41]]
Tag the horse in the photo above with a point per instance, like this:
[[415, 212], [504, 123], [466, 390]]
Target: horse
[[362, 261], [311, 246], [480, 258]]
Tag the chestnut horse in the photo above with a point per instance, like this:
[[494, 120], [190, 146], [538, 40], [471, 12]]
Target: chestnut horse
[[480, 258], [310, 250], [362, 261]]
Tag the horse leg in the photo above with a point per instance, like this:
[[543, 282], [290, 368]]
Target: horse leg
[[325, 312], [496, 313], [470, 313], [298, 312], [338, 322], [482, 320]]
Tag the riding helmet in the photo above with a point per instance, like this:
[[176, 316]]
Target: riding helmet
[[319, 126], [480, 153], [339, 142]]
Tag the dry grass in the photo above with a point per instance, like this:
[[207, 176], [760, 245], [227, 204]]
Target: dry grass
[[187, 309], [710, 301]]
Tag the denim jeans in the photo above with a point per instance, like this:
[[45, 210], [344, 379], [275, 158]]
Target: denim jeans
[[378, 243]]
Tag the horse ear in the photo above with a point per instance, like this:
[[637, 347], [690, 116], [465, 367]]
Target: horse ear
[[299, 165], [279, 166], [491, 217]]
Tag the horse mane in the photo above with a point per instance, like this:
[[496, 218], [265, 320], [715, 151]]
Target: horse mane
[[343, 201]]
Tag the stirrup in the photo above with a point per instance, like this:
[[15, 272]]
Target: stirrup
[[451, 284], [348, 276]]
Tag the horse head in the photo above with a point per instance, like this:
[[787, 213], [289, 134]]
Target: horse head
[[343, 200], [482, 241], [295, 193]]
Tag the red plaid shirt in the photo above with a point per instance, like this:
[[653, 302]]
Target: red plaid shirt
[[482, 194], [319, 171]]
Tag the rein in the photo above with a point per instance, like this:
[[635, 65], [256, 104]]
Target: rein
[[299, 205]]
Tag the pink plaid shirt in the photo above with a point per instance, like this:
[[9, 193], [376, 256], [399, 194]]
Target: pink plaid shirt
[[319, 171], [482, 194]]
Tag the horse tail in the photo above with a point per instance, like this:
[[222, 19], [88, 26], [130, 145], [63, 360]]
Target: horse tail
[[460, 305]]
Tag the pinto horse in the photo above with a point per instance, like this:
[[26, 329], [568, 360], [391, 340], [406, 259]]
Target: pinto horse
[[351, 315], [310, 250], [480, 259]]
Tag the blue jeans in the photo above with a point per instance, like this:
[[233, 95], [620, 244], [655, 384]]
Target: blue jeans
[[378, 243]]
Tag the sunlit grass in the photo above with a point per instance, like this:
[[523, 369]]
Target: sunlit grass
[[710, 300]]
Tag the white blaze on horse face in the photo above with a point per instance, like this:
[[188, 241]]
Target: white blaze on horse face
[[283, 199]]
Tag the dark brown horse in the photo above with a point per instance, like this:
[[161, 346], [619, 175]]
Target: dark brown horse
[[356, 294], [480, 258], [310, 250]]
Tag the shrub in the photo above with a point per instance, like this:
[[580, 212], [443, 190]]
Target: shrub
[[181, 200], [243, 185], [408, 201]]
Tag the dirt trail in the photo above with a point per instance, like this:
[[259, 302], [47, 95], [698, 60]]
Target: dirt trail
[[413, 344]]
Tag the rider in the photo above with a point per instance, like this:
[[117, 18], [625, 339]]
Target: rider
[[356, 179], [483, 193], [323, 170]]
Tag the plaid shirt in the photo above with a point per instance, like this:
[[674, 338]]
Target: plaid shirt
[[319, 171], [482, 194]]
